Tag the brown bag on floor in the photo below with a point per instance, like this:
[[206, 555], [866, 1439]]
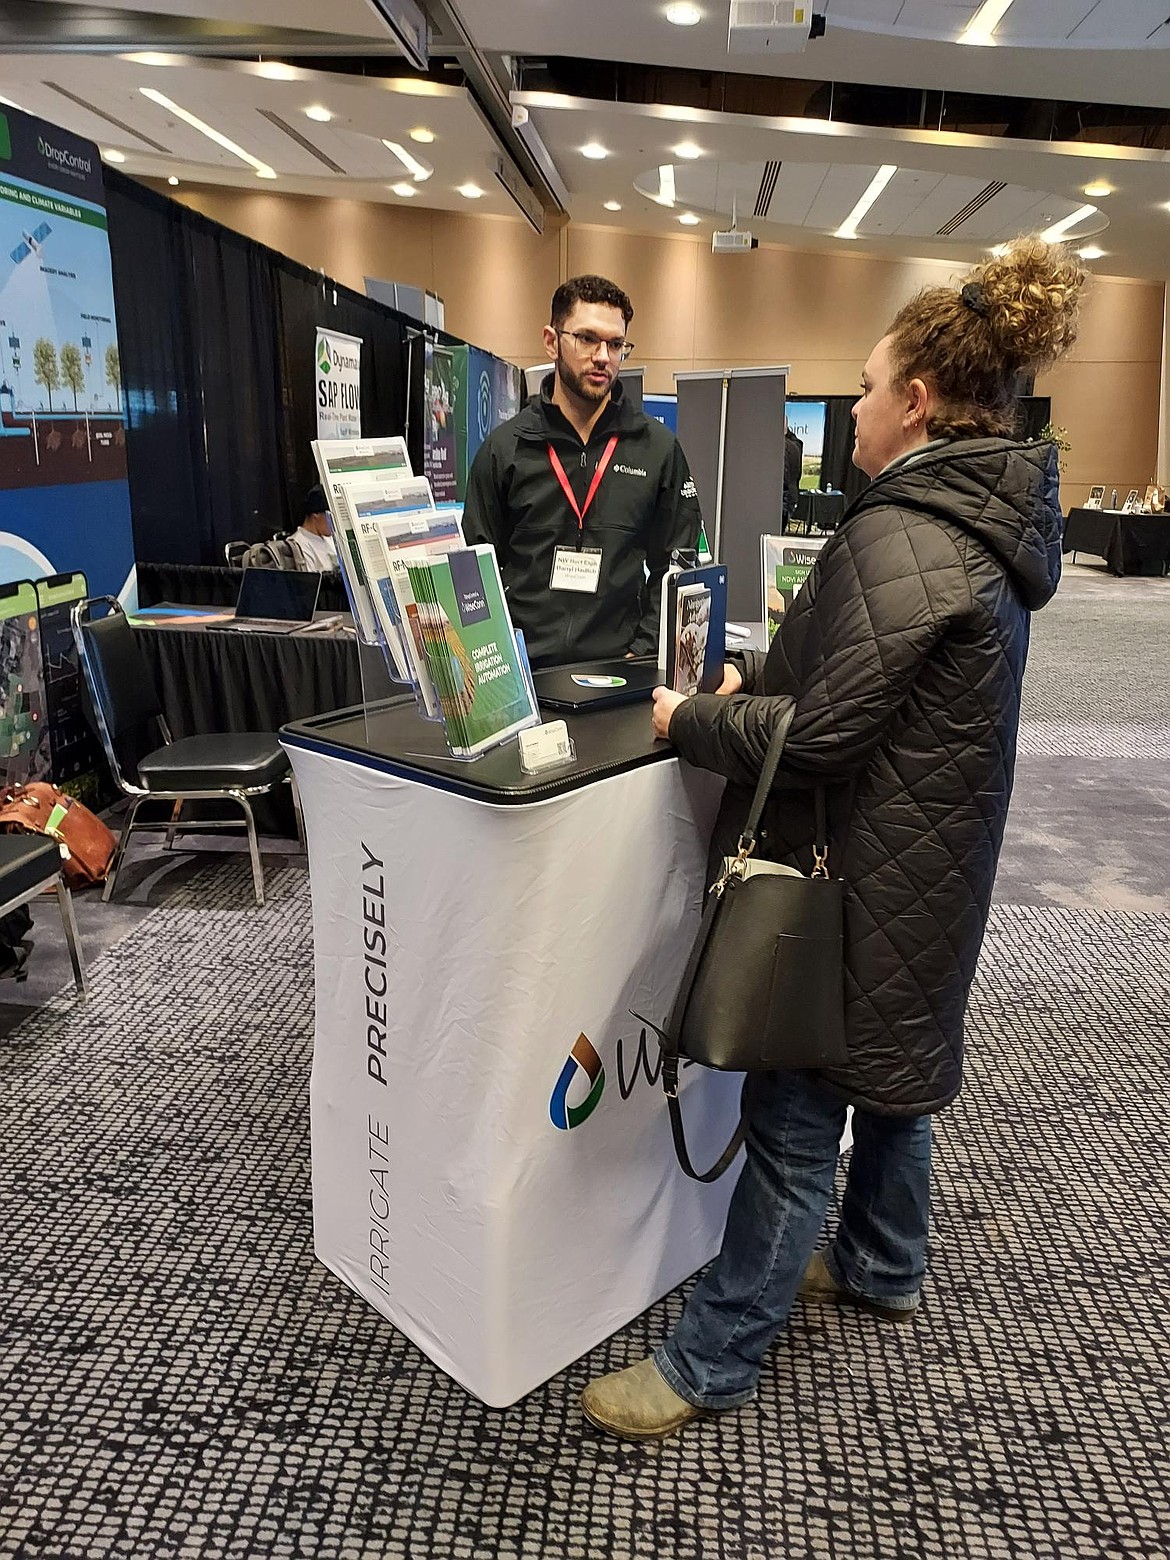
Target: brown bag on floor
[[87, 846]]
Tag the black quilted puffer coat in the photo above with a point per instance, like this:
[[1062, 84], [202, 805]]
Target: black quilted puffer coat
[[904, 653]]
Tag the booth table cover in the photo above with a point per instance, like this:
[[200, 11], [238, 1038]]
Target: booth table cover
[[824, 511], [1130, 544], [492, 1164]]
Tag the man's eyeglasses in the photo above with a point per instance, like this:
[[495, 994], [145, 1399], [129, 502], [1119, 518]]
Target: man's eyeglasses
[[588, 343]]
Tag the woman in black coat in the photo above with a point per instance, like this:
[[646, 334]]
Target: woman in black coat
[[904, 654]]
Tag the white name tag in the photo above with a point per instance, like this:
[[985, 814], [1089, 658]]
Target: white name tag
[[576, 570]]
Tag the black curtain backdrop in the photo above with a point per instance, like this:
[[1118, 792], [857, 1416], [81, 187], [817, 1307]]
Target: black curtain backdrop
[[217, 338]]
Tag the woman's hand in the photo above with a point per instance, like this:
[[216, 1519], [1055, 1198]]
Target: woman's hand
[[665, 704], [732, 679]]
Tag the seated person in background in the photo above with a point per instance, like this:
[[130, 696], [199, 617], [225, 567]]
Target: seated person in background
[[312, 541]]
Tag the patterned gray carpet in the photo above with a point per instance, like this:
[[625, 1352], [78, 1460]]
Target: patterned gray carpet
[[181, 1379]]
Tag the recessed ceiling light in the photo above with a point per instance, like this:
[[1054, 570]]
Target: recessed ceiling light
[[172, 180], [111, 156], [422, 135], [150, 58], [594, 150], [1059, 229], [873, 189], [1091, 252], [470, 191], [688, 219], [318, 112], [981, 27], [405, 190], [1098, 188], [613, 205], [999, 250], [688, 151], [275, 71], [683, 15], [204, 129], [417, 169]]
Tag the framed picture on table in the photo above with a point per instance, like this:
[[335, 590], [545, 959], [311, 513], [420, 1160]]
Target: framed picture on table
[[1096, 498], [1152, 501], [1133, 503]]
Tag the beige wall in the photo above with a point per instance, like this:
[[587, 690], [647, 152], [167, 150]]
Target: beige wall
[[819, 312]]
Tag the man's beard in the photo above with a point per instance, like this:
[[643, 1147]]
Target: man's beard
[[578, 385]]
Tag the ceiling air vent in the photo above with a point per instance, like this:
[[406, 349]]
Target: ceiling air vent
[[976, 203], [767, 189]]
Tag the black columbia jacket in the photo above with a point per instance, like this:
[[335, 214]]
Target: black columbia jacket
[[644, 508], [904, 653]]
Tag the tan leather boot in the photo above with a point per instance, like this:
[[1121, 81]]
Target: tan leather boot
[[819, 1286], [637, 1403]]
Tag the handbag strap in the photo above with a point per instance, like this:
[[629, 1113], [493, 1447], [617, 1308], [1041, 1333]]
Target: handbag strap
[[670, 1063], [678, 1132], [767, 778]]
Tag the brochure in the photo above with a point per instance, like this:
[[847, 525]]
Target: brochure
[[470, 649], [704, 625], [692, 619], [786, 562], [373, 459], [390, 517]]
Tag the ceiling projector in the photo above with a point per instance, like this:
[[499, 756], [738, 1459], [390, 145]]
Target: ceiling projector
[[736, 241], [772, 26]]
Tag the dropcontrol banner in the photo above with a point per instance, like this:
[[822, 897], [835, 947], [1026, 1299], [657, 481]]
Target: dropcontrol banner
[[339, 385], [64, 498]]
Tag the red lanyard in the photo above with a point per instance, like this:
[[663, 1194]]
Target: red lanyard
[[581, 512]]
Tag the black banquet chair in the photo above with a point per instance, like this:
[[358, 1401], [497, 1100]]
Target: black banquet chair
[[29, 864], [127, 712]]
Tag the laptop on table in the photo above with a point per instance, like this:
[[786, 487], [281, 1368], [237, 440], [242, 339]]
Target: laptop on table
[[595, 683], [274, 601]]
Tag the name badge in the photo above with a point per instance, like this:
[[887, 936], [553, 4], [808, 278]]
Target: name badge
[[576, 570]]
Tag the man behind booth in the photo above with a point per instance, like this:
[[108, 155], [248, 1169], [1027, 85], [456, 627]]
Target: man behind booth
[[581, 495]]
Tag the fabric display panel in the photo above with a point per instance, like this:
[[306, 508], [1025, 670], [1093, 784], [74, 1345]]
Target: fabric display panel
[[75, 754], [493, 1167], [62, 428], [25, 751]]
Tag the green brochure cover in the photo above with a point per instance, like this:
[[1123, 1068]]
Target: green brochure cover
[[471, 649]]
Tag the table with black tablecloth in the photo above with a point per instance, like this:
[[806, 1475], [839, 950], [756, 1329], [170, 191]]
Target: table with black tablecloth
[[1129, 544], [816, 511]]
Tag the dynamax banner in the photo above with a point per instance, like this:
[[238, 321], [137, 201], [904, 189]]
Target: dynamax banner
[[339, 385]]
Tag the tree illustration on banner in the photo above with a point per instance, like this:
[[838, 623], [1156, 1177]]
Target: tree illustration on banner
[[71, 370], [113, 369], [45, 371]]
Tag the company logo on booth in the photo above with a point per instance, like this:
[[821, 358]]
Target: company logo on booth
[[323, 362], [582, 1059]]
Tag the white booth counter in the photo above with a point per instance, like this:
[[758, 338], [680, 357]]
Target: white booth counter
[[492, 1160]]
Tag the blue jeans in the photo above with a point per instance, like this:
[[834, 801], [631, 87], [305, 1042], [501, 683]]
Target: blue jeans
[[778, 1208]]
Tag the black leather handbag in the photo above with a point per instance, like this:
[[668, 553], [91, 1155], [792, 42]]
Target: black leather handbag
[[764, 987]]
